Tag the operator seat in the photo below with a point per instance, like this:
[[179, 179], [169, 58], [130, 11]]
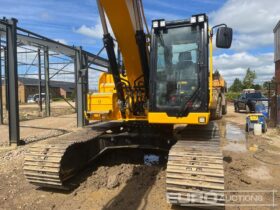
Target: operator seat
[[186, 71], [185, 67], [185, 60]]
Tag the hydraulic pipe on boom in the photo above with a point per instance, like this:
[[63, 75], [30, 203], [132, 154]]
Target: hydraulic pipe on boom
[[114, 67], [129, 32], [142, 44]]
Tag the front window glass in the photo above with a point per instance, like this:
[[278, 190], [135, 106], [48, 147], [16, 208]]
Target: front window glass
[[177, 66], [254, 95]]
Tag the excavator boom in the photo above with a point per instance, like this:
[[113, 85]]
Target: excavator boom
[[166, 79]]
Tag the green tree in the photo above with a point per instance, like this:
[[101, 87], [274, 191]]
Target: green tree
[[248, 81], [269, 84], [257, 87], [236, 86]]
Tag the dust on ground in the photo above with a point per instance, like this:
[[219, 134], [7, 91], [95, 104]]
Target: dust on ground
[[34, 127], [120, 180], [32, 111]]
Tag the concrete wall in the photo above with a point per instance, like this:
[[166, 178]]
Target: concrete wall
[[21, 93], [65, 94], [4, 94]]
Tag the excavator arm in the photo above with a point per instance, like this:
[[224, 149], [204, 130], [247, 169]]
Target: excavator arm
[[126, 19]]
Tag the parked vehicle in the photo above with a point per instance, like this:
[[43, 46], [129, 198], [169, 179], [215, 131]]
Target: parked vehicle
[[248, 101], [30, 99], [35, 98], [249, 90]]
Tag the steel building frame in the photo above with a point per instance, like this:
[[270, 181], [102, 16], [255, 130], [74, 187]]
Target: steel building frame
[[19, 37]]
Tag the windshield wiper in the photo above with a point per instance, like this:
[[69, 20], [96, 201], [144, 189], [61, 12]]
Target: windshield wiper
[[185, 108]]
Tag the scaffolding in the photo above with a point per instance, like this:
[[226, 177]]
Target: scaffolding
[[54, 53]]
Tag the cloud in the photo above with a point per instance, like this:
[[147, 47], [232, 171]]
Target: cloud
[[156, 14], [235, 65], [62, 41], [93, 31], [252, 21], [248, 41]]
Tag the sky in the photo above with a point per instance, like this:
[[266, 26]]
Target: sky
[[77, 23]]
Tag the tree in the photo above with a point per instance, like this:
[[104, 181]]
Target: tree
[[236, 86], [248, 81], [269, 84], [257, 87]]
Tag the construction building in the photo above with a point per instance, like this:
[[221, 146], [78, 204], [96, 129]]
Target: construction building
[[30, 86], [277, 67]]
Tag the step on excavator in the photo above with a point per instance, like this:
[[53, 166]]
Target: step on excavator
[[163, 77]]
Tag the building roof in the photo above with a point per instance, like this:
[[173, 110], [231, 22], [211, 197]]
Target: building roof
[[277, 27], [67, 86]]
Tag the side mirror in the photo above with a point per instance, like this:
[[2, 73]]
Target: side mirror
[[224, 37]]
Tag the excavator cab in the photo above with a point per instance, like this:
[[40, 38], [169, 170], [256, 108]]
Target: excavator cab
[[179, 68]]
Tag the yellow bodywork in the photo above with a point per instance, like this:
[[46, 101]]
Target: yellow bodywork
[[210, 72], [192, 118], [104, 103], [219, 82], [121, 17]]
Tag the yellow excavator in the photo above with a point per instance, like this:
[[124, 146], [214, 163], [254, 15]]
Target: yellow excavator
[[165, 79]]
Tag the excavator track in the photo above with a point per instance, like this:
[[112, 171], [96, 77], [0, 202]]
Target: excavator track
[[52, 163], [195, 173]]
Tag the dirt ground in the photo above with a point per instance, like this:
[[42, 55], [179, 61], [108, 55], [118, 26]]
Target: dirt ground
[[34, 127], [120, 180], [31, 111]]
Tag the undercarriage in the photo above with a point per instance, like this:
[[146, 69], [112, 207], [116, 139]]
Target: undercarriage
[[195, 162]]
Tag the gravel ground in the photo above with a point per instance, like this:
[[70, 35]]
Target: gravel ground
[[120, 180]]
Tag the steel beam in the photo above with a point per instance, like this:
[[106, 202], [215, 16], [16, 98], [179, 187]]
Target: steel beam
[[39, 80], [47, 83], [14, 133], [6, 77], [85, 85], [81, 73], [36, 40], [61, 48], [1, 96]]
